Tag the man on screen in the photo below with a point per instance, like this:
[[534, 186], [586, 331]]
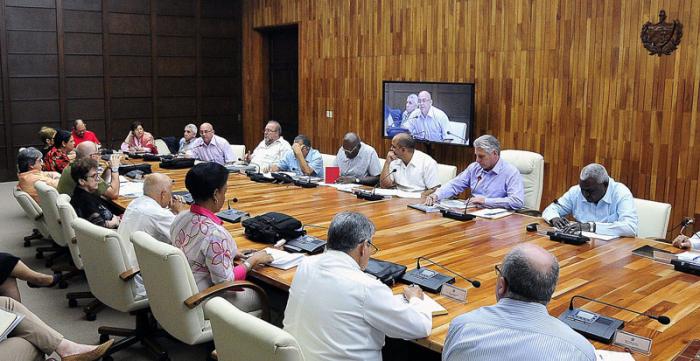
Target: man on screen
[[411, 106], [427, 122]]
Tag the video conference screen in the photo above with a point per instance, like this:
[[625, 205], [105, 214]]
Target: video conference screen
[[431, 112]]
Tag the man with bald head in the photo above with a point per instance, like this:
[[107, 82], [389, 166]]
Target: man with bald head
[[108, 186], [155, 211], [358, 162], [211, 147], [428, 122], [518, 326]]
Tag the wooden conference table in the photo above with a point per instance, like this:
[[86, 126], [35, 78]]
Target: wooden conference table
[[605, 270]]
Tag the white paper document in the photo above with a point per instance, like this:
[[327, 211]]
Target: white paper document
[[492, 213], [397, 193], [430, 304], [606, 355], [452, 203], [348, 187], [131, 189], [689, 256], [283, 259], [603, 237]]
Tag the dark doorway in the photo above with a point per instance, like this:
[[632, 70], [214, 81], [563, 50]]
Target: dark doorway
[[283, 87]]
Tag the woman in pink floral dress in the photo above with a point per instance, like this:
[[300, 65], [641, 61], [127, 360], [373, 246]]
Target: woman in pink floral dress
[[208, 246]]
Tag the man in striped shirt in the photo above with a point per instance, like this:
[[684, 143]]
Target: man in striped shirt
[[518, 327]]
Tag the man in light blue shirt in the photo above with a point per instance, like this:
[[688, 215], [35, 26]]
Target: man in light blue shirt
[[597, 203], [427, 122], [302, 160], [358, 162], [494, 183], [518, 327]]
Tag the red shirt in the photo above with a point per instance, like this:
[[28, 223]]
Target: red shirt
[[87, 136], [55, 160]]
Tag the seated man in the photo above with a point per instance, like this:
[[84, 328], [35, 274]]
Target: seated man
[[211, 147], [494, 182], [271, 149], [188, 138], [88, 150], [356, 311], [302, 160], [598, 203], [411, 170], [427, 122], [358, 162], [29, 164], [149, 213], [81, 134], [518, 326]]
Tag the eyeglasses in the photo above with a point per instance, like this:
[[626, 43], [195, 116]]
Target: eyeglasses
[[499, 273], [351, 150], [374, 249], [95, 176], [270, 131], [205, 131]]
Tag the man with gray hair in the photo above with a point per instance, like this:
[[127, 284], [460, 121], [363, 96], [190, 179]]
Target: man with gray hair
[[338, 312], [271, 149], [29, 162], [518, 326], [88, 149], [155, 211], [188, 139], [494, 183], [598, 204]]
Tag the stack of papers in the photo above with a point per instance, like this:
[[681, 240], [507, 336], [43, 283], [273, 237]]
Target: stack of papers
[[131, 189], [689, 256], [605, 355], [8, 322], [284, 260], [348, 187], [603, 237], [492, 213], [429, 303], [452, 203], [396, 192]]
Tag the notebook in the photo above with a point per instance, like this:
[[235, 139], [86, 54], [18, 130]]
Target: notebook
[[284, 260], [8, 322], [430, 303]]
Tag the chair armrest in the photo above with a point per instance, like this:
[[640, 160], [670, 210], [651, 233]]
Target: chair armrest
[[195, 300], [39, 217], [129, 274], [74, 240]]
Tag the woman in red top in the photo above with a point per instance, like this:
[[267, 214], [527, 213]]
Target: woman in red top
[[138, 140], [57, 158]]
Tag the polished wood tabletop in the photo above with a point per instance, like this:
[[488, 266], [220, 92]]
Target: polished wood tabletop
[[606, 270]]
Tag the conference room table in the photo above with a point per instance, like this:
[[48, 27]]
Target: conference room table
[[606, 270]]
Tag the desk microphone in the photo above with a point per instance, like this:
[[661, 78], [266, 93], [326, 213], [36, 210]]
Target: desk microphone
[[455, 135], [231, 214], [430, 280], [371, 196], [596, 326], [462, 216]]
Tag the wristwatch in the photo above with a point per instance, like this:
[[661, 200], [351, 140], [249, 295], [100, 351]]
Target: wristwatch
[[357, 180], [247, 265]]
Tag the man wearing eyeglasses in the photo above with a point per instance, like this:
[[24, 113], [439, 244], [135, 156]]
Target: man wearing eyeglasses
[[211, 147], [189, 136], [338, 312], [409, 169], [271, 149], [518, 326], [81, 134], [302, 160], [108, 184], [358, 162]]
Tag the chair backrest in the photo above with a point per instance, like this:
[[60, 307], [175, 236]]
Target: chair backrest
[[162, 147], [32, 211], [241, 336], [531, 168], [458, 128], [238, 151], [653, 218], [446, 172], [169, 282], [67, 215], [105, 257], [328, 160], [47, 201]]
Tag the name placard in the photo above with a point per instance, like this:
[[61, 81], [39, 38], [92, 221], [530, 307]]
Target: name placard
[[633, 342], [453, 292]]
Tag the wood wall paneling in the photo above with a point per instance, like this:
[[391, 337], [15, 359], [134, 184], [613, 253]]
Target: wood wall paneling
[[566, 79], [111, 62]]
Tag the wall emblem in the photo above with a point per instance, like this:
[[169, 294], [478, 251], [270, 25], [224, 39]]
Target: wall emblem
[[661, 38]]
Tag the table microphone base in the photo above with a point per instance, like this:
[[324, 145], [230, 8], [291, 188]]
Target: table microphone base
[[459, 216], [369, 196]]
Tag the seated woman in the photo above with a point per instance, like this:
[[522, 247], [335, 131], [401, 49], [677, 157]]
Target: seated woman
[[32, 339], [138, 140], [46, 135], [86, 201], [208, 246], [29, 165], [57, 158], [12, 268]]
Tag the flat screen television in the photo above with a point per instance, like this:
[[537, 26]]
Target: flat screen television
[[431, 112]]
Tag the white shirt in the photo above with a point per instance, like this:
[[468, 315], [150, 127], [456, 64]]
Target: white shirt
[[419, 174], [695, 241], [145, 214], [266, 155], [337, 312]]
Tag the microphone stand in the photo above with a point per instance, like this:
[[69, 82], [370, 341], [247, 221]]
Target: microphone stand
[[462, 216]]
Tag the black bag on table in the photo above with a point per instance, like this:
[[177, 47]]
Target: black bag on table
[[271, 227], [387, 272]]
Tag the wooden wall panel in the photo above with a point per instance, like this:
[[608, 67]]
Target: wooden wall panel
[[111, 62], [568, 79]]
